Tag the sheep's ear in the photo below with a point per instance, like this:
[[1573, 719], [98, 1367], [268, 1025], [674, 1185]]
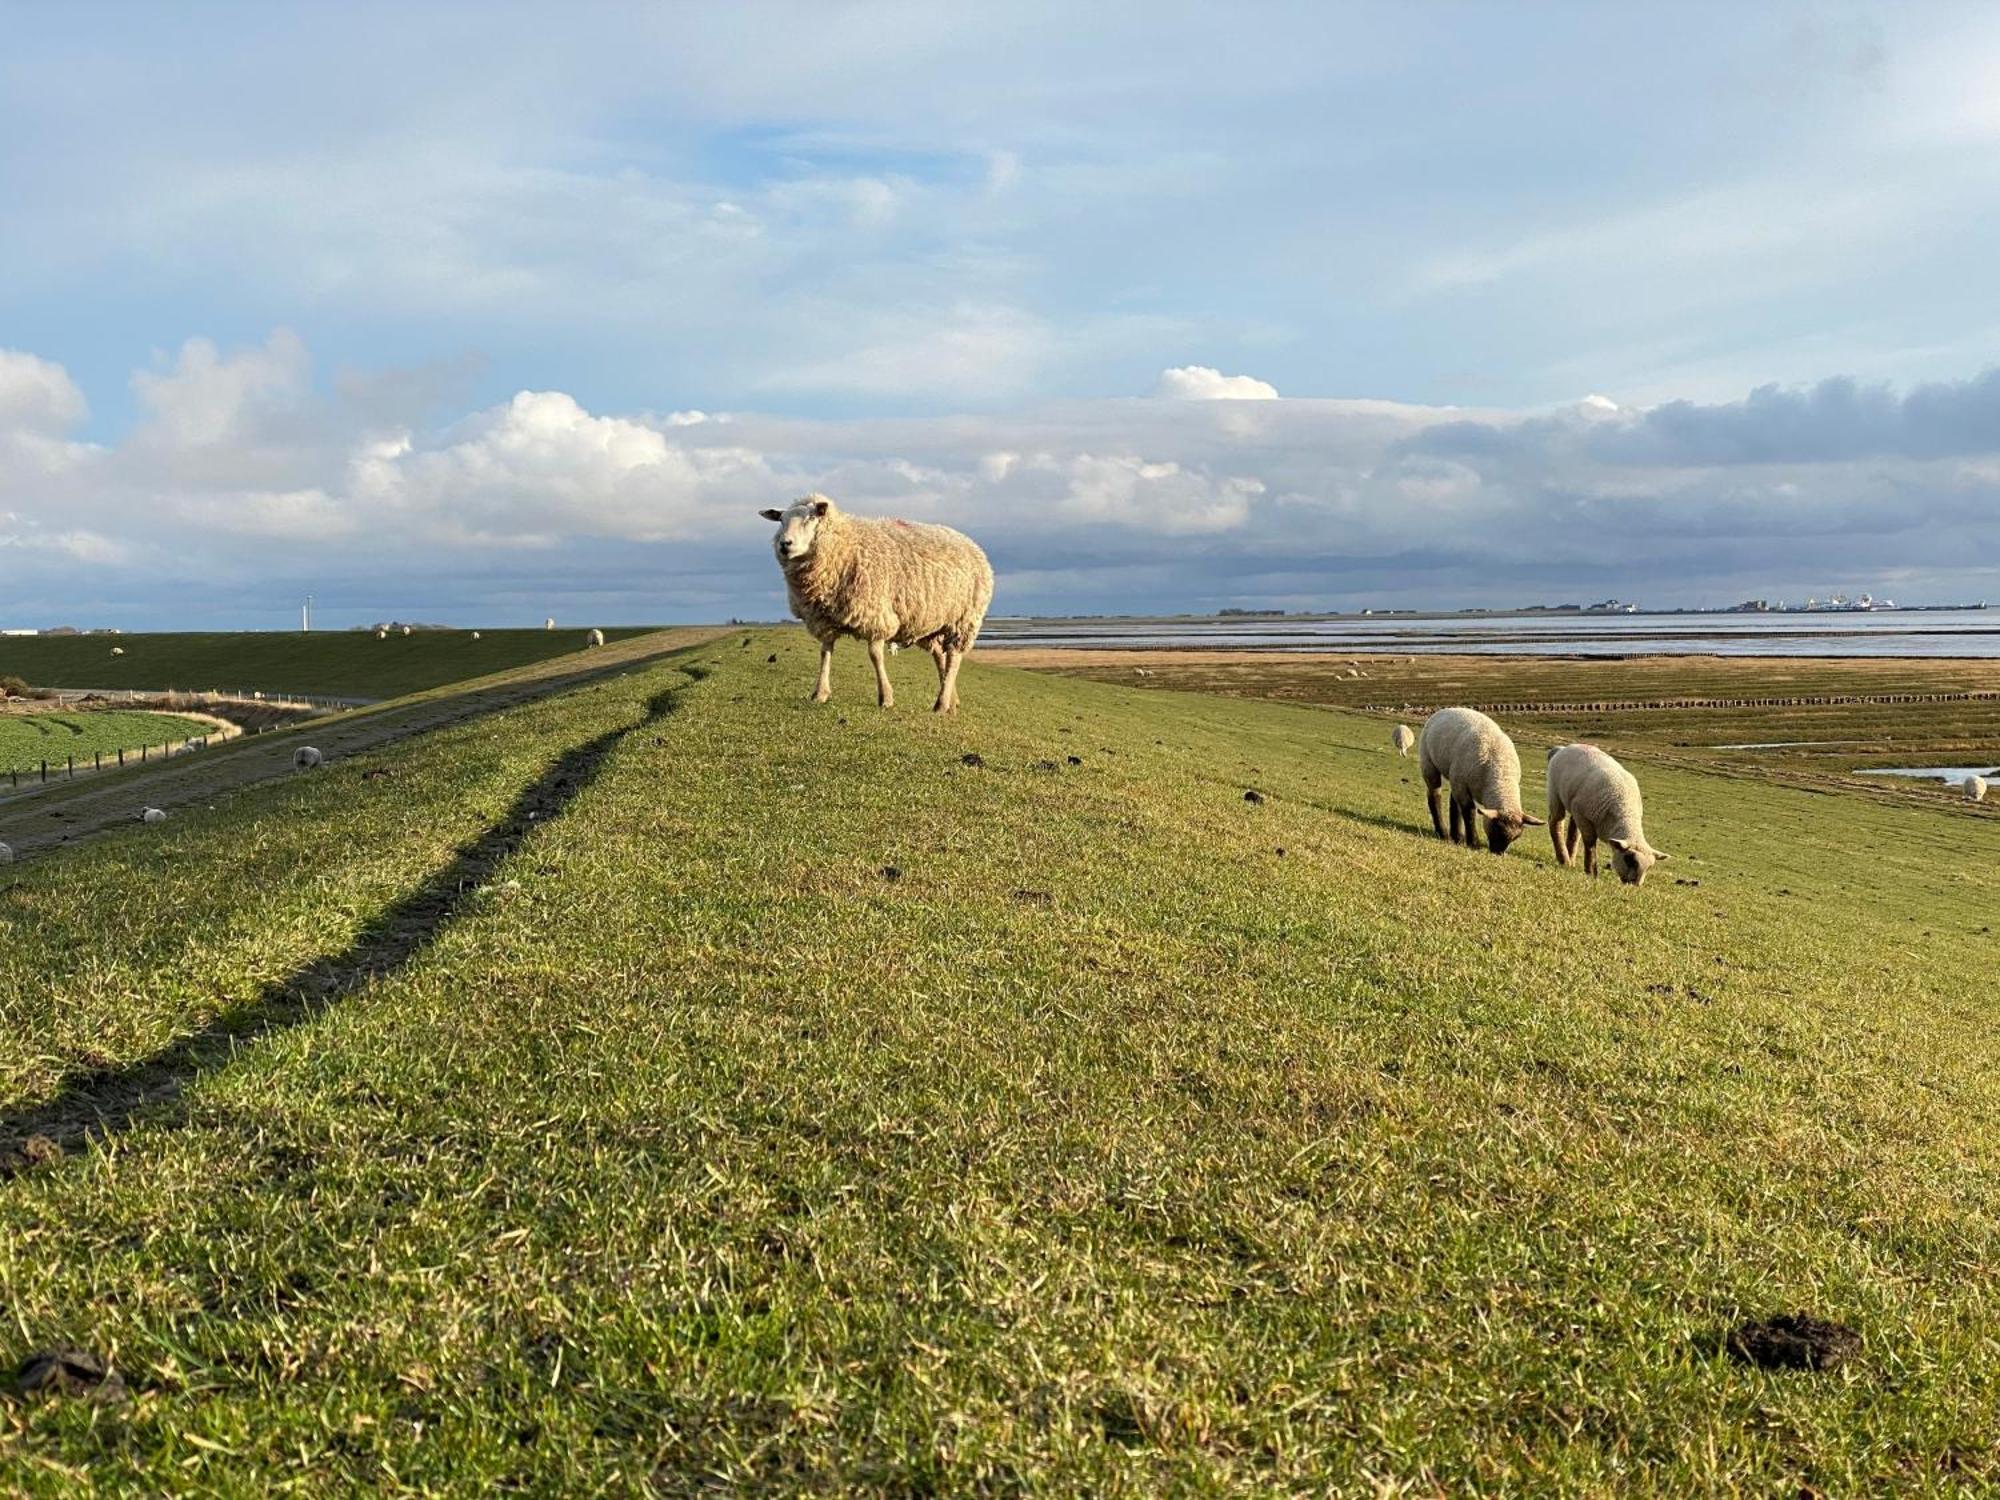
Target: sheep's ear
[[1623, 846], [1484, 811], [772, 515], [1660, 856], [1529, 820], [821, 507]]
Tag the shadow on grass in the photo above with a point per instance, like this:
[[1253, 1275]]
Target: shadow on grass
[[107, 1101]]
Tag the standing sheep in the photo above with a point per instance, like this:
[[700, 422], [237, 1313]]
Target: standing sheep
[[151, 815], [882, 581], [1975, 788], [1403, 738], [593, 637], [117, 650], [1593, 797], [1464, 747], [306, 757]]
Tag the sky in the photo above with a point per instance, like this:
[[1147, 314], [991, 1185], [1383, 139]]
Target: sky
[[484, 313]]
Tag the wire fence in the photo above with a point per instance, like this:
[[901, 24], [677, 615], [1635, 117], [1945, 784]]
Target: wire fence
[[238, 695], [67, 768]]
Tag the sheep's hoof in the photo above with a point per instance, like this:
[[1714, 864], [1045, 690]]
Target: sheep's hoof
[[822, 697]]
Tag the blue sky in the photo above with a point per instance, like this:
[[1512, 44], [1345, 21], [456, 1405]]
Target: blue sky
[[481, 313]]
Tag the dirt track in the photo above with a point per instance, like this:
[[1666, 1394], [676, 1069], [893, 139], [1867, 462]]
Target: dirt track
[[68, 812]]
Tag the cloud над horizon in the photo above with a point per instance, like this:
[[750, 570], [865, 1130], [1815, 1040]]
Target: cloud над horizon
[[246, 475]]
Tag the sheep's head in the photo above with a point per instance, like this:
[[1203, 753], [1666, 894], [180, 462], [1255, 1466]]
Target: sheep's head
[[1502, 828], [1632, 859], [798, 527]]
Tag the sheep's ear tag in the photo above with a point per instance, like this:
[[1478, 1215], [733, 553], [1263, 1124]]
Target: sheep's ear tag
[[819, 507], [772, 515]]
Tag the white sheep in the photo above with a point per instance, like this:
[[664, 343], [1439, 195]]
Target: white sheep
[[151, 815], [882, 581], [6, 854], [1975, 788], [381, 635], [475, 635], [549, 623], [406, 630], [117, 650], [1464, 747], [1402, 737], [1592, 797], [306, 757], [593, 637]]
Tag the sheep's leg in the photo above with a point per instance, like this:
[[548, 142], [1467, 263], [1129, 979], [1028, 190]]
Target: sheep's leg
[[1433, 797], [1575, 839], [1557, 831], [823, 690], [1457, 822], [1590, 855], [1471, 826], [879, 658], [948, 689]]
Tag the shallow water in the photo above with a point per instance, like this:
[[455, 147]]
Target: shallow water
[[1948, 774], [1943, 632]]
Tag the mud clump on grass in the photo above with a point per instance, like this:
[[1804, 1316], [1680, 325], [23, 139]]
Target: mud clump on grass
[[1046, 765], [972, 758], [76, 1374], [1792, 1341], [1254, 798], [771, 658], [891, 873], [1035, 898], [37, 1150], [379, 773], [1075, 760]]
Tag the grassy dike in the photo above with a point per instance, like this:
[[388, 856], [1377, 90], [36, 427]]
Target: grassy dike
[[665, 1140]]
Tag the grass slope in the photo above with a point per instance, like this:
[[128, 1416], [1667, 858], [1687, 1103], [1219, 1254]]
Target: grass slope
[[337, 664], [26, 740], [664, 1141]]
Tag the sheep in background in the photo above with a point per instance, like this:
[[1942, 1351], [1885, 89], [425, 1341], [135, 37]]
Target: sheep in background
[[475, 635], [6, 854], [306, 757], [1975, 788], [406, 630], [1464, 747], [549, 623], [882, 581], [593, 637], [151, 815], [117, 650], [381, 635], [1593, 797], [1403, 738]]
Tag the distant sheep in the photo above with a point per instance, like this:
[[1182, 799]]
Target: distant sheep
[[406, 630], [475, 635], [151, 815], [381, 635], [1975, 788], [882, 581], [1464, 747], [549, 623], [1403, 738], [1592, 797], [306, 757], [593, 638], [6, 854], [117, 650]]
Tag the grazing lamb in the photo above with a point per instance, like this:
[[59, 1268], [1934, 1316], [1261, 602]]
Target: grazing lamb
[[475, 635], [882, 581], [6, 854], [593, 638], [1402, 737], [1592, 797], [1464, 747], [1975, 788], [151, 815], [306, 757], [117, 650]]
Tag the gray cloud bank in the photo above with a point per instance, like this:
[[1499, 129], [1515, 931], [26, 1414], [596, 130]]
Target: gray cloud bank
[[248, 479]]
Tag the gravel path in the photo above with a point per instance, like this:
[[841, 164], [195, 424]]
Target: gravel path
[[63, 813]]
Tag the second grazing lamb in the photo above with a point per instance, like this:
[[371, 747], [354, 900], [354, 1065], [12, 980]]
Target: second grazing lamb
[[1402, 738], [1464, 747], [1592, 797]]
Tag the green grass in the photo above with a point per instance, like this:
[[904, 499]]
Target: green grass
[[336, 664], [27, 740], [675, 1146]]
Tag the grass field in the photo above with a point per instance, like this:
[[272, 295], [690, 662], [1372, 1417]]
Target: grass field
[[27, 740], [337, 664], [675, 1087], [1643, 712]]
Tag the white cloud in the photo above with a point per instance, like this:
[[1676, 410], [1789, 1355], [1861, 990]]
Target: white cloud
[[37, 395], [1200, 383]]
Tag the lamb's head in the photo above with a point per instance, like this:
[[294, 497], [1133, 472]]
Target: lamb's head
[[1633, 858], [1502, 828], [799, 527]]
